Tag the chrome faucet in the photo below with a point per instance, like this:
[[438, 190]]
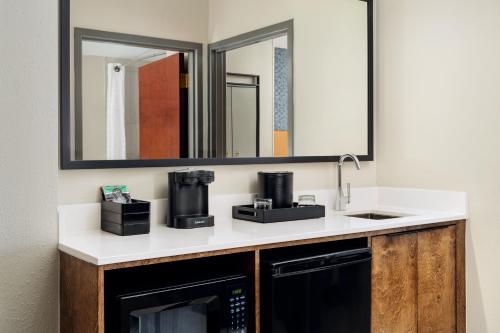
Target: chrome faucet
[[341, 200]]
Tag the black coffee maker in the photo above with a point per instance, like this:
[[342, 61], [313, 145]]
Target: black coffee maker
[[188, 199]]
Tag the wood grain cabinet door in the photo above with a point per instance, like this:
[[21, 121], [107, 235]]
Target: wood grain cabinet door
[[414, 282], [394, 283], [437, 280]]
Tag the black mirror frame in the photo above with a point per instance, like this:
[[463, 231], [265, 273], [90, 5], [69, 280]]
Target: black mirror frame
[[66, 163]]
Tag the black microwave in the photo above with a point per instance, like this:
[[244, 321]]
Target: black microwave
[[218, 305]]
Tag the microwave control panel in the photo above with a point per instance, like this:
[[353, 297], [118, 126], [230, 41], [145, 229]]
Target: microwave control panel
[[238, 309]]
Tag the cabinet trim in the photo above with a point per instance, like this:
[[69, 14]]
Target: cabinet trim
[[81, 296], [460, 273]]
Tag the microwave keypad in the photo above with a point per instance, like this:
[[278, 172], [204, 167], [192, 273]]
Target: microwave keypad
[[238, 310]]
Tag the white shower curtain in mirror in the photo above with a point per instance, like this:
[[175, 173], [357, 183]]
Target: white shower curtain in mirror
[[115, 113]]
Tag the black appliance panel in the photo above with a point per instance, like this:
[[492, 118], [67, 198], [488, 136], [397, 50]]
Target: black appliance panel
[[320, 294], [211, 306]]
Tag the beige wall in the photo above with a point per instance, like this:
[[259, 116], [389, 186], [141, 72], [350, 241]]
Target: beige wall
[[439, 122], [28, 166], [183, 20], [151, 183]]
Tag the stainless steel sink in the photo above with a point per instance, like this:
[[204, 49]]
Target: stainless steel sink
[[374, 216]]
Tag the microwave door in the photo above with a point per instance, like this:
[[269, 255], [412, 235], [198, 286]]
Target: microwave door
[[196, 316]]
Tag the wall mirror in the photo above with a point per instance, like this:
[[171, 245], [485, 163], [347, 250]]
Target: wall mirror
[[207, 82]]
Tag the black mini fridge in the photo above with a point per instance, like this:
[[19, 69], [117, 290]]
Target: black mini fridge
[[317, 294]]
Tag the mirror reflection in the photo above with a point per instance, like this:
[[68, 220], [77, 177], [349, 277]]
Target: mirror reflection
[[133, 99], [186, 79], [258, 118]]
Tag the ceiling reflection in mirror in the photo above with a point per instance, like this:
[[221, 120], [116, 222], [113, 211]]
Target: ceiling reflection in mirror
[[188, 79]]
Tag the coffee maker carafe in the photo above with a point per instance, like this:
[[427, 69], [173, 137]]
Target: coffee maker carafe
[[188, 199]]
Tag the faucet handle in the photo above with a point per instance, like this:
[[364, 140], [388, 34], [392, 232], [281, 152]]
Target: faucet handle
[[348, 193]]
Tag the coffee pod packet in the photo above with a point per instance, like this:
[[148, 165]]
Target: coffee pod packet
[[116, 193]]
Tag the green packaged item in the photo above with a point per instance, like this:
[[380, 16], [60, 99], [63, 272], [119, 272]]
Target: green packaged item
[[116, 193]]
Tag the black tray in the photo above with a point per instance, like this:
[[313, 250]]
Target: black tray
[[126, 219], [249, 213]]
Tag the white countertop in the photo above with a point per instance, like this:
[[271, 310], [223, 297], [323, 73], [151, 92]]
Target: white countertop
[[80, 234]]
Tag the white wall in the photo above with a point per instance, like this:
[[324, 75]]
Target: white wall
[[439, 122], [28, 166]]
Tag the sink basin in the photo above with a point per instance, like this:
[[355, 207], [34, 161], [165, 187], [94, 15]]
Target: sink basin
[[374, 216]]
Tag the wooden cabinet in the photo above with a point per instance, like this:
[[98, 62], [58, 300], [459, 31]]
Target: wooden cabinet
[[414, 282], [437, 280], [418, 278], [394, 283]]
